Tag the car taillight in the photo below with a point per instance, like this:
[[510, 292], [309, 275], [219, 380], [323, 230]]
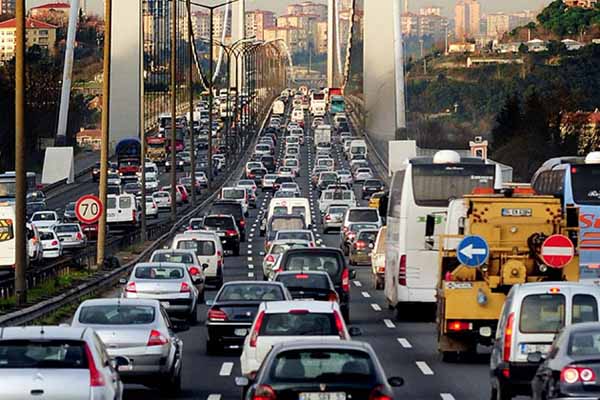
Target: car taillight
[[214, 314], [346, 280], [231, 232], [328, 217], [243, 222], [194, 271], [219, 263], [54, 243], [79, 236], [130, 287], [377, 394], [573, 374], [185, 288], [351, 235], [402, 271], [457, 326], [96, 378], [339, 324], [311, 244], [301, 276], [270, 259], [333, 297], [359, 245], [508, 333], [157, 339], [257, 325], [264, 392], [251, 176]]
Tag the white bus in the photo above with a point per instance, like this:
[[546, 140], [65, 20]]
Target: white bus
[[425, 186]]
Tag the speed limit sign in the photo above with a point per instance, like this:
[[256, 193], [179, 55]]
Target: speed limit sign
[[88, 209]]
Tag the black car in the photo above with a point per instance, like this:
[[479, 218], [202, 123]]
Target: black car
[[33, 207], [313, 285], [257, 174], [371, 186], [113, 189], [226, 228], [297, 367], [69, 214], [325, 259], [233, 208], [179, 164], [96, 172], [270, 163], [283, 222], [232, 312], [572, 368]]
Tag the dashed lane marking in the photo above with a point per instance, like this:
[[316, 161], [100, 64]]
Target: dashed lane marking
[[249, 258], [389, 323], [357, 283], [250, 266], [446, 396], [424, 368], [404, 343], [250, 274], [214, 397], [366, 294], [226, 369], [249, 251], [375, 307]]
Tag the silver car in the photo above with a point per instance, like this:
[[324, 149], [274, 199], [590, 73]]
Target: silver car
[[190, 259], [334, 216], [274, 252], [57, 363], [140, 331], [71, 236], [169, 283]]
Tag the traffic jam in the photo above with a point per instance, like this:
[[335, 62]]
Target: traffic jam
[[303, 279]]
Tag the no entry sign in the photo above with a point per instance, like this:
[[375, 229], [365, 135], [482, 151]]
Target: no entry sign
[[557, 251]]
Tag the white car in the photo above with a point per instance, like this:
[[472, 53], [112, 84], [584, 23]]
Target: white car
[[248, 184], [151, 207], [52, 248], [162, 199], [71, 235], [44, 219], [201, 178], [286, 171], [290, 187], [277, 248], [151, 183], [344, 176], [288, 321], [362, 174]]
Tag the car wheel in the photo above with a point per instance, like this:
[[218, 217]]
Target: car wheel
[[193, 317], [172, 383], [500, 392]]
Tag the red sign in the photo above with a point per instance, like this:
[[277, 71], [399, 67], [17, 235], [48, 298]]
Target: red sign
[[88, 209], [557, 251]]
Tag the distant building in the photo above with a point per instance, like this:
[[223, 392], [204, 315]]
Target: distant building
[[89, 138], [536, 46], [461, 48], [318, 9], [580, 3], [201, 24], [321, 38], [290, 35], [294, 9], [420, 25], [52, 13], [431, 10], [7, 7], [505, 48], [257, 21], [500, 23], [467, 15], [38, 33]]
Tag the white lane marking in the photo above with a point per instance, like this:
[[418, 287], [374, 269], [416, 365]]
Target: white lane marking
[[404, 343], [366, 294], [389, 323], [262, 253], [318, 235], [249, 251], [357, 283], [253, 229], [249, 245], [375, 307], [424, 368], [250, 274], [250, 266], [446, 396], [249, 258], [214, 397], [226, 369]]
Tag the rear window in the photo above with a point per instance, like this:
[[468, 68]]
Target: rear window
[[66, 228], [313, 262], [294, 235], [125, 202], [159, 272], [173, 257], [322, 365], [117, 314], [249, 292], [584, 343], [363, 215], [585, 309], [542, 313], [304, 281], [337, 210], [329, 176], [299, 210], [227, 209], [47, 354], [219, 222], [201, 247], [44, 235], [279, 210], [233, 194], [367, 236], [299, 324], [278, 224]]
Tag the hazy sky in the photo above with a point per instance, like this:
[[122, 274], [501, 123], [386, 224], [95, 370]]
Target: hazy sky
[[278, 6]]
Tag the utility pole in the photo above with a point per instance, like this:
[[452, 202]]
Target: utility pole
[[144, 226], [191, 83], [105, 130], [173, 111], [20, 163]]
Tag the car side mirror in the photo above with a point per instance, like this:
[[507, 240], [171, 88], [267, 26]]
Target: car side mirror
[[352, 274], [535, 357], [396, 381], [354, 331], [205, 266], [122, 281], [242, 381], [430, 225], [121, 363], [209, 303]]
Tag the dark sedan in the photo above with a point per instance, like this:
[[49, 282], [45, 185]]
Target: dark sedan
[[318, 370], [232, 312], [371, 186], [572, 368], [309, 285]]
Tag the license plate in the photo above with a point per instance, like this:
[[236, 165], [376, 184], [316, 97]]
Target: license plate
[[527, 348], [165, 304], [323, 396], [125, 368], [240, 332]]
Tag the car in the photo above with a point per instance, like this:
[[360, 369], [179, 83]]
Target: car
[[283, 222], [344, 176], [186, 156], [268, 182], [286, 172], [209, 253], [362, 174], [151, 183], [308, 285], [297, 234], [274, 251], [290, 321], [349, 233], [252, 165], [188, 257], [371, 186], [44, 219], [290, 187], [187, 183], [201, 178], [226, 229], [96, 172], [51, 246], [333, 217], [170, 283], [179, 164], [570, 370], [235, 194], [280, 180], [114, 179], [138, 330], [58, 362], [294, 164], [69, 213], [326, 259], [326, 178], [269, 163], [360, 250], [231, 313], [113, 189], [378, 259], [133, 188], [151, 207], [233, 208], [532, 315], [33, 207], [162, 199], [362, 214], [257, 174], [300, 368], [71, 236]]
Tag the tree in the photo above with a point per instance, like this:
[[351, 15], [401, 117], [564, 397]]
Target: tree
[[508, 122]]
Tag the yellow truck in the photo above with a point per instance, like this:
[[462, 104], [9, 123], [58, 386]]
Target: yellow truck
[[515, 224]]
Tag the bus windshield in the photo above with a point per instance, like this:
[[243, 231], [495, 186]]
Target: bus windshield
[[586, 184], [8, 189], [434, 185]]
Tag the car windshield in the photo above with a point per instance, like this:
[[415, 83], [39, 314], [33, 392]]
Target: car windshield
[[368, 236], [47, 235], [329, 176], [233, 194], [542, 313], [117, 314], [322, 365], [159, 272], [585, 343], [200, 247], [363, 215], [184, 258], [250, 292], [44, 217], [43, 354], [299, 323]]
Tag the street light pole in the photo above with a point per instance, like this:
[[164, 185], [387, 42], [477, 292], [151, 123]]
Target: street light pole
[[173, 111], [142, 127], [191, 83]]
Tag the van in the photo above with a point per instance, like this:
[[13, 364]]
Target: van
[[337, 196], [122, 211], [532, 315], [208, 249], [357, 147], [298, 116], [291, 205], [7, 239], [236, 194]]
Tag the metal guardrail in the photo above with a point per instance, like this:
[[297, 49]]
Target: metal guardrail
[[109, 278]]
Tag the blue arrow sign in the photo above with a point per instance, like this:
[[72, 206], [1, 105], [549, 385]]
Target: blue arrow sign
[[473, 251]]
